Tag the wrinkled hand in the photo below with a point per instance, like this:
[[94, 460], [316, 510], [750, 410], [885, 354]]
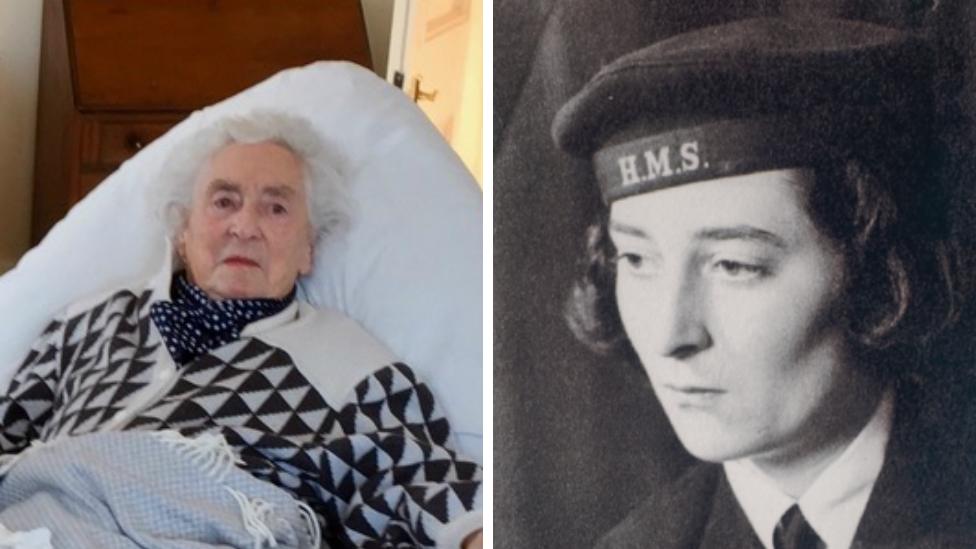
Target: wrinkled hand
[[474, 541]]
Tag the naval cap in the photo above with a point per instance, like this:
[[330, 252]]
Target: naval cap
[[746, 96]]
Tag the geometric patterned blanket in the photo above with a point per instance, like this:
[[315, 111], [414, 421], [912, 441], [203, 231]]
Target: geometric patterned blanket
[[131, 490]]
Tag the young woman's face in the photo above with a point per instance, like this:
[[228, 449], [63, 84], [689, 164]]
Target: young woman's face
[[729, 294]]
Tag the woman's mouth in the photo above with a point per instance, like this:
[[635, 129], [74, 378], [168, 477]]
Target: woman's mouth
[[693, 389], [693, 396], [240, 261]]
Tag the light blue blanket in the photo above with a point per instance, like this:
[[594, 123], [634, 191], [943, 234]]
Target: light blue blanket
[[135, 489]]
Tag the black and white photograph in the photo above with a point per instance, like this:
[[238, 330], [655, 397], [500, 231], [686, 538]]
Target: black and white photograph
[[733, 271]]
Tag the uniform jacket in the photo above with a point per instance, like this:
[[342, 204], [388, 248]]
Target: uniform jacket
[[308, 399], [923, 498]]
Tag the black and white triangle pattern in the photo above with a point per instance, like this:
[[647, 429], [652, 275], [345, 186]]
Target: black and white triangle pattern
[[29, 401], [247, 383], [82, 371], [377, 470], [389, 482]]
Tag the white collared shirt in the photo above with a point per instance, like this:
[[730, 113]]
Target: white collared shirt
[[834, 503]]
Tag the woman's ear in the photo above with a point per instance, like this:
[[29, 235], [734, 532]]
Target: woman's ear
[[308, 253], [177, 216], [181, 245], [306, 265]]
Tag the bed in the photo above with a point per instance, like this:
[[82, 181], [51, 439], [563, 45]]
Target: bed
[[408, 269]]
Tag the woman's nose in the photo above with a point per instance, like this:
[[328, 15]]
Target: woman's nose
[[245, 224], [679, 320]]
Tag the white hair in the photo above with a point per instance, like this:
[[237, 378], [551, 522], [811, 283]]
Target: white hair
[[327, 196]]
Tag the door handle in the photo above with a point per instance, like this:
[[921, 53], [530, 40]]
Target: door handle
[[420, 95]]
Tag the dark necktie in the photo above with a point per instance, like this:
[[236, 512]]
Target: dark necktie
[[794, 532]]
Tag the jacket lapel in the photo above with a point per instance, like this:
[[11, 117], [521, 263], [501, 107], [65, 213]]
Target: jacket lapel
[[673, 518], [923, 495], [893, 513], [698, 511], [727, 524]]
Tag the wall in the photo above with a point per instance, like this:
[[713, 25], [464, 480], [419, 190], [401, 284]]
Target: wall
[[379, 18], [20, 46]]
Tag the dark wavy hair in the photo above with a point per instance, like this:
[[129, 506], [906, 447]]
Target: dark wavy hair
[[900, 258]]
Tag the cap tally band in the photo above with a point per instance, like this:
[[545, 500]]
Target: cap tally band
[[710, 151]]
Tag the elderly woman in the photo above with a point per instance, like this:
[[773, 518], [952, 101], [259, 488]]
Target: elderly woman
[[775, 256], [210, 405]]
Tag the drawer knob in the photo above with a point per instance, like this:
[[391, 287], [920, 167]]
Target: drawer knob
[[133, 141]]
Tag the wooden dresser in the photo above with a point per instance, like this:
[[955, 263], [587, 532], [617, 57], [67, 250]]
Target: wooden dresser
[[116, 74]]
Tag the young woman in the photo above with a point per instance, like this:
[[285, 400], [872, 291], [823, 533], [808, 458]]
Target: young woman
[[775, 256]]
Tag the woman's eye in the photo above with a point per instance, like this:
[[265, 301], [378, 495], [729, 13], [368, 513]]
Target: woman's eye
[[738, 270], [223, 202], [632, 260], [636, 263], [278, 209]]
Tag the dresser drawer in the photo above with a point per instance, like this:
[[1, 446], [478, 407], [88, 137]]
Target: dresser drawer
[[157, 55], [107, 141]]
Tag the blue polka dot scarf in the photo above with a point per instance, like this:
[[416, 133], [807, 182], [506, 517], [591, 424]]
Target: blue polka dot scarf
[[193, 323]]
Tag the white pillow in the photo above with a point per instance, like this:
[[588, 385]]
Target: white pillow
[[408, 269]]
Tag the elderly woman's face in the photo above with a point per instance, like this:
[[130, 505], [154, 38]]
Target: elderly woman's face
[[248, 233], [729, 295]]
